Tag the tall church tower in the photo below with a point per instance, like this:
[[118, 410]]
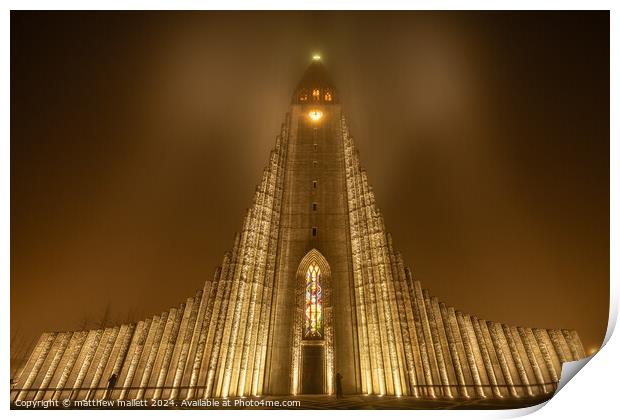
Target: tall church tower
[[312, 287], [313, 323]]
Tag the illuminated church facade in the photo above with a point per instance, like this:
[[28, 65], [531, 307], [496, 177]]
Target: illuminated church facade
[[313, 286]]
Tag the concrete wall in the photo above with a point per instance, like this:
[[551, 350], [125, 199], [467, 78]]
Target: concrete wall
[[236, 336]]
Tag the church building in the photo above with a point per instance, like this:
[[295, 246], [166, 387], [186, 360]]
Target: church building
[[312, 288]]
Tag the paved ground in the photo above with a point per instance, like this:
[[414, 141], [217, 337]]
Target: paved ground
[[314, 402], [408, 403], [359, 402]]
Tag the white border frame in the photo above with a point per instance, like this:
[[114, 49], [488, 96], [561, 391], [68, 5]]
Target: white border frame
[[592, 395]]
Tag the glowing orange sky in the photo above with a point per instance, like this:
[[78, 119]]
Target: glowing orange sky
[[137, 140]]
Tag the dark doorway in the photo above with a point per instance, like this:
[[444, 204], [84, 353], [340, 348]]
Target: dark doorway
[[313, 372]]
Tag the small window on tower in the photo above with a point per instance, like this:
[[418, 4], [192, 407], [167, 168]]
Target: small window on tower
[[315, 163], [314, 184], [313, 206], [314, 231], [316, 94], [316, 146], [328, 96]]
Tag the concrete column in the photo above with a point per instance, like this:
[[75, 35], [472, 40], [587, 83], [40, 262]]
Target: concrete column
[[87, 356], [134, 355], [183, 342], [454, 352], [441, 365], [469, 354], [486, 358], [532, 359], [58, 350], [98, 374], [517, 360], [499, 350], [149, 354], [176, 314]]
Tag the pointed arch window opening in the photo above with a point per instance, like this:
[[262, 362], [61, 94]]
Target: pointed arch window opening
[[313, 303]]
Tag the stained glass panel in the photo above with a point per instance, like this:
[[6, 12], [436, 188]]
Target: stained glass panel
[[314, 304]]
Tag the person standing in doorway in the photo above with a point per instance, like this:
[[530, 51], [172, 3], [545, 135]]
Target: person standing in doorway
[[338, 385]]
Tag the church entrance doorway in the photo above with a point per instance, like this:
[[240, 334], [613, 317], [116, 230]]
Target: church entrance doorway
[[313, 371], [313, 353]]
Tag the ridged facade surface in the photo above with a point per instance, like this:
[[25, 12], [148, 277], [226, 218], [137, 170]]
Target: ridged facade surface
[[241, 335]]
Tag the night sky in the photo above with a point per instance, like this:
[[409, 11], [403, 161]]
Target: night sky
[[137, 140]]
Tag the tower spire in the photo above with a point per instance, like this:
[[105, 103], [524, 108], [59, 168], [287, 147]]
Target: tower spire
[[315, 85]]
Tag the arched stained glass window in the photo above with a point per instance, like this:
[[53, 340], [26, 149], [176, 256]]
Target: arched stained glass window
[[316, 94], [314, 303]]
